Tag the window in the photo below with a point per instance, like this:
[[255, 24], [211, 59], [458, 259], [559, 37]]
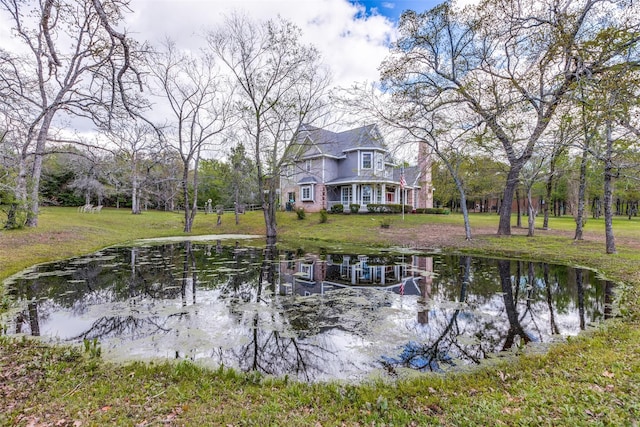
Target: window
[[306, 193], [346, 195], [306, 271], [379, 162], [367, 160], [307, 165], [366, 194], [290, 170]]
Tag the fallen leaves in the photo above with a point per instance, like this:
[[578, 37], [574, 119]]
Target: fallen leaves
[[608, 374]]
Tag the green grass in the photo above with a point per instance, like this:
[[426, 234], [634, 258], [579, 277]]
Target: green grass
[[593, 379]]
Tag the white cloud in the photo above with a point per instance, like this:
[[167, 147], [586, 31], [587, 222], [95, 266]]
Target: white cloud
[[352, 44]]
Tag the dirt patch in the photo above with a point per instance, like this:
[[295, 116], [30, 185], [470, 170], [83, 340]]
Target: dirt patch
[[431, 236]]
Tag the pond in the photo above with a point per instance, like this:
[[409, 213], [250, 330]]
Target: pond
[[313, 317]]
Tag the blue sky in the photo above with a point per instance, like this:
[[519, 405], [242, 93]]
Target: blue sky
[[392, 9]]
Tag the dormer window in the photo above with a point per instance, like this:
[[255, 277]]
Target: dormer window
[[367, 160]]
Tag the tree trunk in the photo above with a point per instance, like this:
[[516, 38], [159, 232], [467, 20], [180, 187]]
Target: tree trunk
[[518, 212], [552, 167], [463, 197], [532, 215], [608, 193], [135, 194], [36, 171], [194, 206], [185, 193], [19, 204], [269, 209], [236, 204], [504, 226], [580, 215]]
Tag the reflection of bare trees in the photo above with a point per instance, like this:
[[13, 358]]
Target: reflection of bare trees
[[270, 351], [608, 299], [429, 356], [188, 266], [33, 319], [123, 326], [269, 265], [580, 287], [510, 305], [552, 318], [30, 315]]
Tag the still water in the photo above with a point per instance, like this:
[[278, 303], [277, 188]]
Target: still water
[[313, 317]]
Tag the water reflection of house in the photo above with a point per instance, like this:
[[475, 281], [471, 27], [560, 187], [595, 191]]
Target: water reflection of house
[[308, 274]]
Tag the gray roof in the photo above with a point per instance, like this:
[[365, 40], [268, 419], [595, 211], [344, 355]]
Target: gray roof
[[308, 180], [335, 144]]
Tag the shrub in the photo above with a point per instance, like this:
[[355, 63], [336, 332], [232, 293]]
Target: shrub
[[16, 216], [434, 211], [323, 216], [301, 213], [339, 208], [354, 208], [385, 222], [388, 208]]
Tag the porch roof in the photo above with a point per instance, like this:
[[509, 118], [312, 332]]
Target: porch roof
[[364, 180]]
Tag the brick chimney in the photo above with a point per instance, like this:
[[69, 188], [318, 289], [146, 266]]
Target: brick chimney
[[425, 196]]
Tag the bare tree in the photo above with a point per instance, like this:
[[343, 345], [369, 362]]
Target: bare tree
[[70, 59], [199, 104], [134, 141], [509, 62], [607, 101], [281, 85]]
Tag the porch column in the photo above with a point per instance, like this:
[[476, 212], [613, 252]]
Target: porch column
[[384, 194], [354, 198]]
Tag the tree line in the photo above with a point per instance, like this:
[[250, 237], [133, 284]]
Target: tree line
[[73, 176]]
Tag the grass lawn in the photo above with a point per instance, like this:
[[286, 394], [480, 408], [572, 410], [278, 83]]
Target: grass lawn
[[593, 379]]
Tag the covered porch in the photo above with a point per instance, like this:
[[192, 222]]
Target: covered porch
[[365, 193]]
